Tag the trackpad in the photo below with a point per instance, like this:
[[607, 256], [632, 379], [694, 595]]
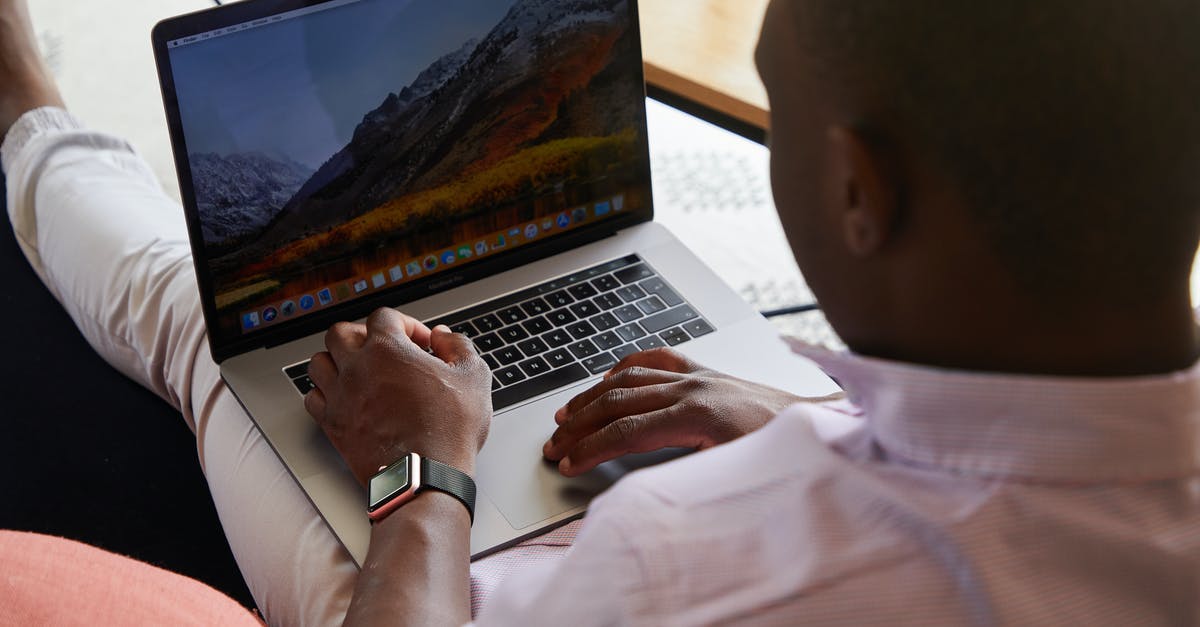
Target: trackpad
[[526, 488]]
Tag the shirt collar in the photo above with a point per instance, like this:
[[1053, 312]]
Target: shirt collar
[[1063, 429]]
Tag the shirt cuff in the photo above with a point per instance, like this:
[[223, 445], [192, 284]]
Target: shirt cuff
[[29, 126]]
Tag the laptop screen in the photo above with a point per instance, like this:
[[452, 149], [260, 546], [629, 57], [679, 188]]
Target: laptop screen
[[346, 148]]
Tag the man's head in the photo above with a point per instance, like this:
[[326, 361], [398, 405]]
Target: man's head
[[1040, 153]]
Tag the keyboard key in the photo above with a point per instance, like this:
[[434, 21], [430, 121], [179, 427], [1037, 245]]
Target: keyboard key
[[512, 315], [558, 358], [304, 384], [495, 384], [675, 336], [607, 341], [584, 349], [559, 299], [628, 313], [608, 301], [530, 388], [537, 326], [599, 363], [512, 334], [534, 346], [297, 371], [491, 362], [651, 342], [606, 283], [557, 337], [535, 307], [535, 366], [630, 293], [633, 274], [488, 343], [582, 291], [604, 321], [630, 332], [580, 330], [466, 328], [651, 305], [655, 285], [487, 323], [508, 355], [510, 375], [698, 328], [584, 309], [560, 317], [669, 318], [625, 351]]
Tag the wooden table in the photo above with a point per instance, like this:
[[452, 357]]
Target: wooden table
[[703, 50]]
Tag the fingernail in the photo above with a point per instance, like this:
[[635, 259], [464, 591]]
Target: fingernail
[[561, 415], [564, 466], [441, 328], [547, 448]]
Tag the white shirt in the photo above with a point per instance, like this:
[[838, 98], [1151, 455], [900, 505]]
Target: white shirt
[[930, 497]]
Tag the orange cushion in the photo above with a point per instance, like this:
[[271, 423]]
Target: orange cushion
[[54, 581]]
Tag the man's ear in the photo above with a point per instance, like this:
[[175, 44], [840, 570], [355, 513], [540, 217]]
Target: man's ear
[[862, 191]]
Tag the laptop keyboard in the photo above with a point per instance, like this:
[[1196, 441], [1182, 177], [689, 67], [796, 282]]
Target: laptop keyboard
[[567, 330]]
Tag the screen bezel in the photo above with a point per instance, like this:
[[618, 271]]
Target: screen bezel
[[224, 347]]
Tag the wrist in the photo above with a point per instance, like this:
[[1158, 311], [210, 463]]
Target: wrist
[[430, 510], [459, 458]]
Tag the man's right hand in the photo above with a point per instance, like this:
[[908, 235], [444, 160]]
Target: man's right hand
[[658, 399]]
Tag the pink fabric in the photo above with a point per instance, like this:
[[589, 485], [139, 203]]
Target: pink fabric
[[488, 572], [928, 497], [54, 581]]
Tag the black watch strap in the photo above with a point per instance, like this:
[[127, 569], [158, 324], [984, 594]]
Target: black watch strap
[[452, 481]]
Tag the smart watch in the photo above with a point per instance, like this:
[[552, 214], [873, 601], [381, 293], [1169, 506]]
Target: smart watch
[[400, 482]]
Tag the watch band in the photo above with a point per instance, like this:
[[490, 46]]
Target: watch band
[[452, 481]]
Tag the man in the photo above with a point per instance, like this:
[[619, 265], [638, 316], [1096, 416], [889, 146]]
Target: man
[[996, 208]]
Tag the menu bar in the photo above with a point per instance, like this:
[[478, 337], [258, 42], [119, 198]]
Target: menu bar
[[258, 23]]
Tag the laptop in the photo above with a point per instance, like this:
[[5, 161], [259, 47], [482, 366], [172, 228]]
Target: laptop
[[477, 163]]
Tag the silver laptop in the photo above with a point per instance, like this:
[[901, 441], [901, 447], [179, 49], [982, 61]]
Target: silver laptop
[[477, 163]]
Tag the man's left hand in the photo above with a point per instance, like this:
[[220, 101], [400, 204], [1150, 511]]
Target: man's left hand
[[381, 393]]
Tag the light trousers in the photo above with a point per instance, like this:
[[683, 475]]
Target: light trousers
[[113, 249]]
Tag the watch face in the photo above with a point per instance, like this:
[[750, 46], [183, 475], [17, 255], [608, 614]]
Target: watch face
[[390, 481]]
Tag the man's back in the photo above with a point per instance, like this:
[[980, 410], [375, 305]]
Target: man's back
[[894, 507]]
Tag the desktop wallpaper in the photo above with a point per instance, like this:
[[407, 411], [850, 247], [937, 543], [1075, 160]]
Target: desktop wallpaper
[[326, 147]]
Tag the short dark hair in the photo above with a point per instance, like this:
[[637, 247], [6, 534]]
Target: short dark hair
[[1070, 128]]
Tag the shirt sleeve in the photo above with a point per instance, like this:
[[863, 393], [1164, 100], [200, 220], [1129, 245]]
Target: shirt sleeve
[[596, 583]]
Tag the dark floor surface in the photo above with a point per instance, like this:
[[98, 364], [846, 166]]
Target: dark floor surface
[[86, 453]]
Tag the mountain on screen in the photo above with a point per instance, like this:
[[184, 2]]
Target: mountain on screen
[[239, 194], [464, 122]]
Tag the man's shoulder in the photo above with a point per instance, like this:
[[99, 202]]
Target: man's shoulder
[[761, 515]]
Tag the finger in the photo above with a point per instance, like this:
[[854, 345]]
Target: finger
[[612, 405], [631, 434], [344, 338], [632, 377], [451, 347], [657, 359], [314, 403], [322, 371], [386, 320]]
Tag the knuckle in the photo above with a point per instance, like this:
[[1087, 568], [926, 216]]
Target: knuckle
[[612, 400], [309, 403], [626, 429], [478, 368], [696, 385], [630, 375]]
